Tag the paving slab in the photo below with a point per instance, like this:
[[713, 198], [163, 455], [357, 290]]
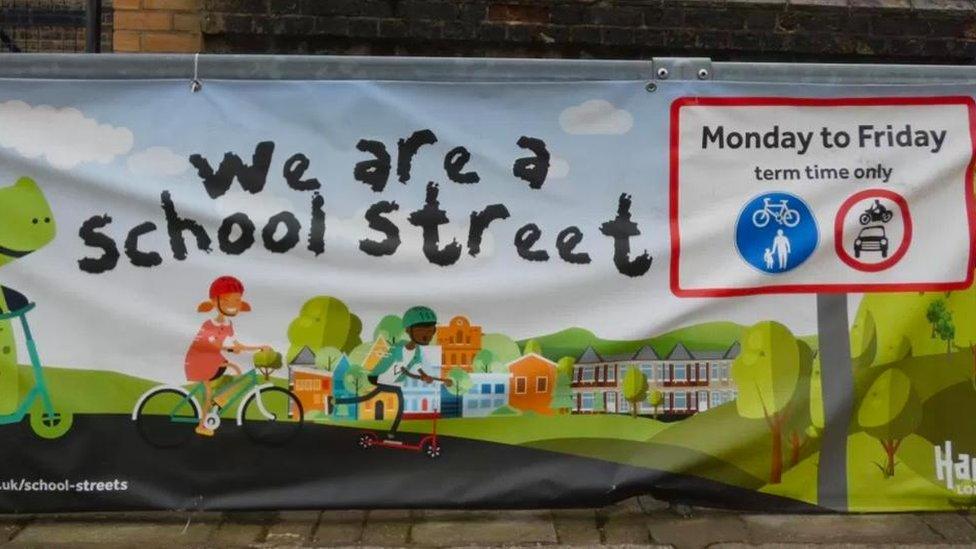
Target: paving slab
[[387, 528], [231, 534], [293, 528], [952, 527], [899, 529], [340, 527], [576, 527], [700, 530], [472, 528], [51, 534]]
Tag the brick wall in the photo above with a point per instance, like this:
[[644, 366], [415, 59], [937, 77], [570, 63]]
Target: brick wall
[[49, 26], [931, 31], [157, 26]]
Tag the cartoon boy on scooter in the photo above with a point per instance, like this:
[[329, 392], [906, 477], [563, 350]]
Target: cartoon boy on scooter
[[420, 323]]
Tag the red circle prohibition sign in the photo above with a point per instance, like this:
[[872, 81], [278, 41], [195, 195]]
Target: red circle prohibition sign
[[839, 230]]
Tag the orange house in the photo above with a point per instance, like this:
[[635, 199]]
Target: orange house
[[460, 342], [313, 387], [531, 384], [384, 405]]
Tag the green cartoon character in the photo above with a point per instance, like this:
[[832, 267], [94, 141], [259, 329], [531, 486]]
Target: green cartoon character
[[26, 225]]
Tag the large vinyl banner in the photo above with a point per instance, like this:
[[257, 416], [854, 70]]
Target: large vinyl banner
[[462, 293]]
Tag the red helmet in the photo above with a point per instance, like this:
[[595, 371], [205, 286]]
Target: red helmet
[[225, 285]]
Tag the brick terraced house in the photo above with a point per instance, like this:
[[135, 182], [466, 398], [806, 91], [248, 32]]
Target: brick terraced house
[[692, 381]]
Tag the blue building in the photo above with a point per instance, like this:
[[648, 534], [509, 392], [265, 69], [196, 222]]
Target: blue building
[[340, 390], [488, 393]]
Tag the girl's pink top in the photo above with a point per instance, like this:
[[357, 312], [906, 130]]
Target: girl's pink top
[[204, 359]]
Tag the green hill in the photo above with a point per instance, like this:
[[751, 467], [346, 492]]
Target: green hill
[[708, 336]]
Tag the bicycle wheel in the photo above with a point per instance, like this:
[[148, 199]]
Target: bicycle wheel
[[791, 218], [760, 218], [272, 416], [167, 417]]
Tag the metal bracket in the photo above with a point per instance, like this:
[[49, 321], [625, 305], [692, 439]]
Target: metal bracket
[[681, 68]]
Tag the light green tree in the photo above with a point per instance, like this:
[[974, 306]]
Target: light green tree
[[634, 388], [460, 381], [655, 398], [503, 347], [767, 374], [327, 357], [800, 418], [324, 321], [267, 361], [566, 365], [532, 346], [483, 361], [889, 412], [356, 380], [390, 328], [562, 394]]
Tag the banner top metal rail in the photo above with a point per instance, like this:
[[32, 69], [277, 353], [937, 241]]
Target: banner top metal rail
[[429, 69]]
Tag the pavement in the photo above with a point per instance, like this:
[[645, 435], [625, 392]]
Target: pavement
[[641, 521]]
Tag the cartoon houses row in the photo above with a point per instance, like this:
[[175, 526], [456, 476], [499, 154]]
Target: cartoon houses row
[[527, 386], [691, 381]]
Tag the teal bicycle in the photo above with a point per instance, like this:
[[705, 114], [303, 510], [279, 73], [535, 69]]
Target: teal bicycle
[[167, 415], [44, 420]]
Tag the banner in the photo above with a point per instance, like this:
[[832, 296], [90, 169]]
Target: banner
[[466, 292]]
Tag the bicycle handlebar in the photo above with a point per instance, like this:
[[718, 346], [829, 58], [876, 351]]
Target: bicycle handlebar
[[19, 312]]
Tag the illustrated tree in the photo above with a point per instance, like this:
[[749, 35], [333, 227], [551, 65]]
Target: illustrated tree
[[390, 328], [324, 321], [767, 373], [503, 347], [655, 398], [890, 411], [799, 420], [355, 380], [460, 381], [940, 318], [327, 357], [532, 346], [634, 388], [566, 366], [267, 361], [816, 401], [562, 393], [483, 361]]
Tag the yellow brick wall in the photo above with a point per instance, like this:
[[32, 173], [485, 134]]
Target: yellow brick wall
[[157, 26]]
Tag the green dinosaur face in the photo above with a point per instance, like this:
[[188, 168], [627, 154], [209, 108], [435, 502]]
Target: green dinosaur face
[[26, 221]]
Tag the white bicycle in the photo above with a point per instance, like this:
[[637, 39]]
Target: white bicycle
[[781, 213]]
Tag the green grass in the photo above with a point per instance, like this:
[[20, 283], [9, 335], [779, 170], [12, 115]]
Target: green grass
[[526, 429], [88, 391]]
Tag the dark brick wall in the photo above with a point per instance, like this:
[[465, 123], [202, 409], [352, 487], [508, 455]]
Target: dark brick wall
[[49, 26], [931, 31]]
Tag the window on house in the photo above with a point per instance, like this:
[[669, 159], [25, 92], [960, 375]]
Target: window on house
[[648, 371], [308, 384], [541, 384], [521, 385], [473, 404], [587, 403], [486, 388], [611, 374], [486, 403], [680, 401], [662, 373], [679, 373], [499, 388], [693, 372], [714, 372], [499, 402], [588, 373]]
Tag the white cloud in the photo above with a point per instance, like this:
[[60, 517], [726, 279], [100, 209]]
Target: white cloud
[[558, 168], [595, 117], [64, 137], [157, 161]]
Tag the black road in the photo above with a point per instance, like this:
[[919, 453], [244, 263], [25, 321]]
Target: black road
[[323, 468]]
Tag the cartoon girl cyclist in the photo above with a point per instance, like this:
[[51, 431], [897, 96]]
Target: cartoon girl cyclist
[[204, 360]]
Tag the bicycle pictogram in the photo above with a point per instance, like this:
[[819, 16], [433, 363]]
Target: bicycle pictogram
[[780, 212]]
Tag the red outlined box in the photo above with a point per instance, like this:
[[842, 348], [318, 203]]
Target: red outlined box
[[673, 202]]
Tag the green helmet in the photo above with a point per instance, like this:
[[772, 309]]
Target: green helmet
[[418, 315]]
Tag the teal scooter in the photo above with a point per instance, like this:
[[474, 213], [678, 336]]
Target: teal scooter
[[43, 420]]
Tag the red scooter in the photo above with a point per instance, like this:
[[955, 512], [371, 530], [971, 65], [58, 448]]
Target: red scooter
[[428, 444]]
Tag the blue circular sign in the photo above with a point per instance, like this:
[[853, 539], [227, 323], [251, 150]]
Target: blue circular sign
[[776, 232]]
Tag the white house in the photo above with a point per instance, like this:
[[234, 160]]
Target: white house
[[421, 399], [488, 393]]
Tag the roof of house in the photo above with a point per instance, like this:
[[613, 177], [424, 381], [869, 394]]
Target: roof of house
[[647, 353], [680, 352], [305, 357], [589, 356]]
